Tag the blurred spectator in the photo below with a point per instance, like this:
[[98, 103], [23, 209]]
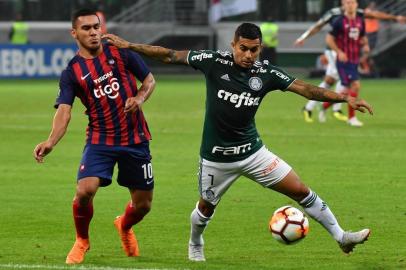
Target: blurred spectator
[[19, 31], [371, 26], [270, 41]]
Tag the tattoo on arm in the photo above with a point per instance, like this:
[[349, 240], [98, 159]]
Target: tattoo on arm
[[160, 53], [313, 92]]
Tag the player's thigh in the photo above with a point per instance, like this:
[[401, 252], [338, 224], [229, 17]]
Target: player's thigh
[[215, 179], [97, 161], [135, 167], [265, 168]]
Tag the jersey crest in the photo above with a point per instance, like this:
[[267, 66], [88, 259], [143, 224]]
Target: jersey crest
[[255, 83]]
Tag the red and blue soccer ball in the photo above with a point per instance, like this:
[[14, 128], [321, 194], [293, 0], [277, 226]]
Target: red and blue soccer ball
[[288, 225]]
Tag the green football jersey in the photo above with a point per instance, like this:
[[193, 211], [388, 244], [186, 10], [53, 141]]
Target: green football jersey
[[233, 95]]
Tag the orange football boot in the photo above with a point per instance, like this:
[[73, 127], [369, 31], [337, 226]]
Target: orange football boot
[[128, 240], [77, 253]]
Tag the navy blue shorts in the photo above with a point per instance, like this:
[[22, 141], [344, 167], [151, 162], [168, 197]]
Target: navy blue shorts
[[348, 72], [134, 165]]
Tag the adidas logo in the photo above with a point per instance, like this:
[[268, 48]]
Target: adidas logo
[[225, 77]]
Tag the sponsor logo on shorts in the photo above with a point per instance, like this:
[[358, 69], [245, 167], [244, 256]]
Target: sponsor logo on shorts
[[233, 150], [271, 167]]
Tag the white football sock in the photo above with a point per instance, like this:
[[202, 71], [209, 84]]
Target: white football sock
[[198, 223], [312, 103], [339, 88], [319, 211]]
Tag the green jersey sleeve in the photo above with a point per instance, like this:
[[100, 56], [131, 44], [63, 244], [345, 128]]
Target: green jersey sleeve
[[279, 78], [201, 60]]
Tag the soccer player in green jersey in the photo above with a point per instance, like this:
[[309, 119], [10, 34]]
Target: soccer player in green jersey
[[231, 146]]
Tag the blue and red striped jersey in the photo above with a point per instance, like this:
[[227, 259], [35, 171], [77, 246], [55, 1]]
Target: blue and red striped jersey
[[103, 84], [348, 33]]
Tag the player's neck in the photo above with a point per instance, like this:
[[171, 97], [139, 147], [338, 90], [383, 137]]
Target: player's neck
[[350, 15], [90, 54]]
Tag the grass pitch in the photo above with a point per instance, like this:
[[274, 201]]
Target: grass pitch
[[359, 172]]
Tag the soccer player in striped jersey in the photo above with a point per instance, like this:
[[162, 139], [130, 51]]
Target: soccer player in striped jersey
[[331, 76], [347, 38], [104, 78], [231, 147]]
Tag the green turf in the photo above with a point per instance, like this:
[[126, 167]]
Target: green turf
[[359, 172]]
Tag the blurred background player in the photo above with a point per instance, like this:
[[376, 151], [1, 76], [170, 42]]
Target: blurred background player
[[231, 146], [347, 38], [270, 41], [331, 76], [18, 33], [102, 76]]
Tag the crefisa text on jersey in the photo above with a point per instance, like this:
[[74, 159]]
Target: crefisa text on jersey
[[243, 99]]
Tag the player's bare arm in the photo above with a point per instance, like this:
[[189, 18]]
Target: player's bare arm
[[374, 14], [134, 103], [165, 55], [314, 29], [313, 92], [331, 43], [59, 127]]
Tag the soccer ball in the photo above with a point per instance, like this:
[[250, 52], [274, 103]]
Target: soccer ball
[[288, 225]]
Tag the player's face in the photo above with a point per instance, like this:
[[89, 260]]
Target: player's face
[[87, 32], [350, 6], [246, 51]]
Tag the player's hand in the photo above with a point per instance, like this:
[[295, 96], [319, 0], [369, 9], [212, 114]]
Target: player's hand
[[116, 41], [342, 56], [359, 105], [41, 150], [298, 42], [401, 19], [133, 104]]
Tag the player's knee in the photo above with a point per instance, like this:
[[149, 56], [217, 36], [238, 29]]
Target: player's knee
[[144, 207], [83, 196], [301, 193]]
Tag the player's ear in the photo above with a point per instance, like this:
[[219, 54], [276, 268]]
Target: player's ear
[[73, 33], [232, 44]]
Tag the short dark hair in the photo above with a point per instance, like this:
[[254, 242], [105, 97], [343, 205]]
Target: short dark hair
[[82, 12], [249, 31]]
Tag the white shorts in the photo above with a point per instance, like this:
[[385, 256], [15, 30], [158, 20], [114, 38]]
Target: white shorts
[[263, 167], [331, 66]]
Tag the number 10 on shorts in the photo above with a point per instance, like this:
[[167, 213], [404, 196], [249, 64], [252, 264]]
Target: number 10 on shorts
[[147, 170]]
